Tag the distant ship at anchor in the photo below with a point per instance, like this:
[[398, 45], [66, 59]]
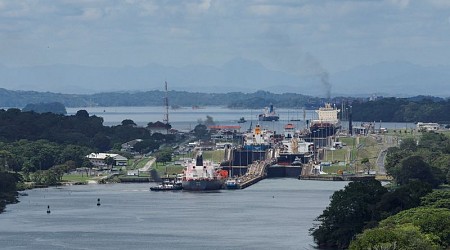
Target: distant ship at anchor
[[269, 114]]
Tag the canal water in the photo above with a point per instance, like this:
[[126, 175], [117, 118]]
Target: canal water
[[186, 118], [272, 214]]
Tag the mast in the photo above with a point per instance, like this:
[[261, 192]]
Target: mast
[[166, 104]]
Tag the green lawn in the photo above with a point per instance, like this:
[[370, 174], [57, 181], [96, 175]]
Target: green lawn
[[169, 169], [76, 178], [357, 149], [215, 156]]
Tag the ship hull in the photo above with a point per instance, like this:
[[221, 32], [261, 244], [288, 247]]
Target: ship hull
[[322, 131], [288, 159], [269, 118], [202, 185]]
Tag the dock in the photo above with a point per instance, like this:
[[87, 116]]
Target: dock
[[255, 172]]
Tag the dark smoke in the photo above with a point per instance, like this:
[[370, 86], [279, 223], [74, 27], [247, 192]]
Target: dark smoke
[[317, 69], [326, 84]]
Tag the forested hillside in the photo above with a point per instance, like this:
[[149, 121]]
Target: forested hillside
[[402, 110]]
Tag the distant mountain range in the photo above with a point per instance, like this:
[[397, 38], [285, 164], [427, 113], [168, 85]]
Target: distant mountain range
[[238, 75]]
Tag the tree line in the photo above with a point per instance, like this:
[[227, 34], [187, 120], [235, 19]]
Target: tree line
[[406, 215], [44, 146], [402, 110]]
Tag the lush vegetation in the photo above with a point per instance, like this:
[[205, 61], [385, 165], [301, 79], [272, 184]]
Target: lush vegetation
[[52, 107], [423, 227], [257, 99], [43, 147], [402, 110], [8, 188], [80, 129], [417, 167]]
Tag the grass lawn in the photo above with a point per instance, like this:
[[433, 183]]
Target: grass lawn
[[169, 169], [77, 178], [360, 148], [215, 156]]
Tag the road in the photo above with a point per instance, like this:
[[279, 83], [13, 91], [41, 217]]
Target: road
[[389, 141], [148, 165]]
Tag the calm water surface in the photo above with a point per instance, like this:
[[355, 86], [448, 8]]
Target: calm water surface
[[186, 118], [272, 214]]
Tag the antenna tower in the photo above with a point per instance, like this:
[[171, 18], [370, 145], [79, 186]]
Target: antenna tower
[[166, 104]]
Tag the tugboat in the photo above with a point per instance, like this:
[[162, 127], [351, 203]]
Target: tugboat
[[168, 184], [242, 120], [232, 183]]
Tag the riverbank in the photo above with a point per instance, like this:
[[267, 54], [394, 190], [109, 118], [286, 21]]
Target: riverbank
[[7, 198]]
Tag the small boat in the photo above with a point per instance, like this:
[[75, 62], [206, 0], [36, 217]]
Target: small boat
[[242, 120], [232, 183], [167, 185]]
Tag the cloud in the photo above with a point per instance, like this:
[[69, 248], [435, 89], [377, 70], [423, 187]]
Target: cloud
[[400, 3], [338, 33]]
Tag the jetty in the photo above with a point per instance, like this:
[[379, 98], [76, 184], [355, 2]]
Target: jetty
[[255, 172]]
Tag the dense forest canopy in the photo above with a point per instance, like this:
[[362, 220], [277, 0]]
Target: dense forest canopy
[[45, 107], [408, 213], [402, 110], [40, 141]]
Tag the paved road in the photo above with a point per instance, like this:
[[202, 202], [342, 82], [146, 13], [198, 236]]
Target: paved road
[[148, 165], [380, 161]]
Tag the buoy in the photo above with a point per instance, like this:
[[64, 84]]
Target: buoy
[[98, 202], [48, 209]]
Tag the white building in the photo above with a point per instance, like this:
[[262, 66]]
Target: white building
[[427, 126], [98, 159]]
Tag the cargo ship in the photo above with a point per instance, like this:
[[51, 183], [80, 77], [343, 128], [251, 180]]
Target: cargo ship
[[254, 146], [328, 123], [269, 114], [293, 150], [200, 175]]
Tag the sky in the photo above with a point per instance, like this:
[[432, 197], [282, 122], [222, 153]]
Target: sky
[[295, 36]]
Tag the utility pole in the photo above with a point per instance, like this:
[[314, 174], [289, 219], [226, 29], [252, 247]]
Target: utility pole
[[166, 104]]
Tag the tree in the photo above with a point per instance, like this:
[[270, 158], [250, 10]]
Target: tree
[[432, 221], [101, 142], [128, 122], [349, 212], [404, 197], [437, 199], [164, 155], [82, 114], [201, 131], [402, 237], [365, 161], [109, 161], [414, 168]]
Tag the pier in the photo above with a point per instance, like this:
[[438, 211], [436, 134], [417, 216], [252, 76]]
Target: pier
[[255, 172]]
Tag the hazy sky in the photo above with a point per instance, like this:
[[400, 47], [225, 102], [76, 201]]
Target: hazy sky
[[282, 35]]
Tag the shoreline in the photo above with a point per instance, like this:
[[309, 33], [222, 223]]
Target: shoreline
[[7, 199]]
